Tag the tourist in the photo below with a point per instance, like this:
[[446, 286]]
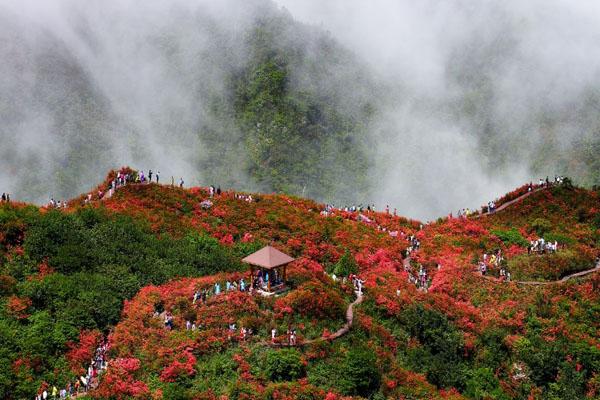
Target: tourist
[[180, 182], [293, 338]]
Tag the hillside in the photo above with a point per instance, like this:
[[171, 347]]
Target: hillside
[[117, 267]]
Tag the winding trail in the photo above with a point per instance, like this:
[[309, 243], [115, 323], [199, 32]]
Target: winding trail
[[339, 333], [563, 279], [510, 203], [596, 268]]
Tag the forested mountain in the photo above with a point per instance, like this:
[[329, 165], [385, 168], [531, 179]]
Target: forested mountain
[[268, 103], [240, 94]]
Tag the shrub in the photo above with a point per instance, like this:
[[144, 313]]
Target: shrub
[[359, 374], [441, 354], [596, 221], [541, 226], [284, 365], [511, 236], [483, 385], [560, 238], [346, 265]]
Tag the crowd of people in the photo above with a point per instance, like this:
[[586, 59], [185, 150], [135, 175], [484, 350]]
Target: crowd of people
[[244, 197], [496, 261], [413, 244], [541, 246], [83, 384], [330, 209], [57, 204], [419, 278]]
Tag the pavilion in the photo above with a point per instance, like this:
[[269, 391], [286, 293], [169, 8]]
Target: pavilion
[[271, 274]]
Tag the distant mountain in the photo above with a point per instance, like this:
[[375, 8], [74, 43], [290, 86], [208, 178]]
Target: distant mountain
[[268, 103], [241, 95]]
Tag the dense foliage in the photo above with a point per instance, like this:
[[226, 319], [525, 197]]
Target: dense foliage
[[117, 266]]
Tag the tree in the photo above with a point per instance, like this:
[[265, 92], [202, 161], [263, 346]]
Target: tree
[[360, 375], [284, 365], [346, 265]]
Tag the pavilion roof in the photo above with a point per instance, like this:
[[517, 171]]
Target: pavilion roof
[[268, 257]]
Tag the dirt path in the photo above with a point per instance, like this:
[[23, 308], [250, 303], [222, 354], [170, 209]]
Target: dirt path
[[339, 333], [564, 279], [510, 203], [596, 268]]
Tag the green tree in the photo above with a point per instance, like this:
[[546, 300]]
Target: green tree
[[284, 365], [346, 265], [359, 373]]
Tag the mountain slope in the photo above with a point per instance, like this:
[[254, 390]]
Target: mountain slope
[[110, 267]]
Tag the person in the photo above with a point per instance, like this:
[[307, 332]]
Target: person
[[3, 197], [54, 392], [149, 176], [242, 285], [217, 288], [44, 394], [273, 334], [157, 176], [218, 190], [172, 181], [180, 182], [188, 325]]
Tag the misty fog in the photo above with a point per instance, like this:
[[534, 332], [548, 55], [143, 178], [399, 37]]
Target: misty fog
[[454, 70], [468, 91]]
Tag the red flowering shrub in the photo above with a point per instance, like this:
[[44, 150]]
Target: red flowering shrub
[[119, 381], [18, 306], [183, 365], [313, 299], [80, 354]]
